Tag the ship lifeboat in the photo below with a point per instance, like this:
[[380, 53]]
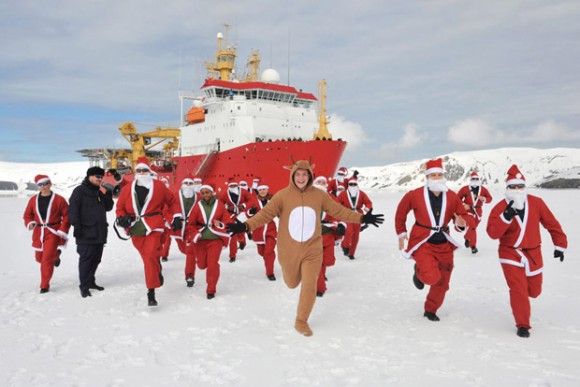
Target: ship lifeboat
[[195, 115]]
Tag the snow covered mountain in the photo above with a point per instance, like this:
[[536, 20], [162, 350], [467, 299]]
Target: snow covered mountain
[[548, 168]]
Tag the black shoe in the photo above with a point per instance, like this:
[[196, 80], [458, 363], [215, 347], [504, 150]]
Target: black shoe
[[431, 316], [43, 290], [345, 251], [325, 278], [416, 281], [161, 279], [232, 259], [319, 294], [272, 277], [467, 243], [164, 259], [151, 301], [96, 287], [474, 250], [242, 246], [86, 293], [57, 262], [210, 296], [351, 257], [523, 332], [190, 281]]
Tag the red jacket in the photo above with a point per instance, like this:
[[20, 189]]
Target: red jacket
[[179, 199], [475, 202], [158, 197], [333, 186], [417, 201], [56, 220], [520, 240], [269, 230], [198, 222], [235, 207], [361, 203]]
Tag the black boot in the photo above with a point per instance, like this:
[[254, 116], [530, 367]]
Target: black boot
[[232, 260], [345, 251], [190, 281], [467, 243], [523, 332], [474, 250], [242, 246], [431, 316], [272, 277], [151, 301], [97, 287], [43, 290], [210, 296], [416, 281], [351, 257], [86, 293], [319, 294], [57, 262], [163, 259]]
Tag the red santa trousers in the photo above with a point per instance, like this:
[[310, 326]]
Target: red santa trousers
[[234, 240], [471, 233], [328, 259], [521, 289], [148, 247], [47, 257], [351, 237], [190, 259], [434, 267], [208, 255], [268, 252], [165, 243]]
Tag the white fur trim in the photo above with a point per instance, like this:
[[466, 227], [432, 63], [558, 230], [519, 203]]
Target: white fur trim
[[206, 186], [434, 170], [515, 181], [263, 186], [142, 166]]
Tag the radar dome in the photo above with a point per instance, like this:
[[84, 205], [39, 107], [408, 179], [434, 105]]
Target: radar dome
[[220, 35], [270, 76]]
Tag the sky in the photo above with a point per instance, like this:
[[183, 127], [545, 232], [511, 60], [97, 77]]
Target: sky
[[368, 327], [406, 80]]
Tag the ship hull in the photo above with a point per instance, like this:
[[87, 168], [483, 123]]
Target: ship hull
[[263, 160]]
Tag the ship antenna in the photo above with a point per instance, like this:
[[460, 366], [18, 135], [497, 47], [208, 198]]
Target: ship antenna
[[288, 55]]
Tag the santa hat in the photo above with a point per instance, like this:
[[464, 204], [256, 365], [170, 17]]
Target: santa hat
[[41, 179], [232, 181], [243, 182], [142, 163], [434, 166], [514, 176], [262, 186], [208, 187], [353, 180], [340, 188], [342, 171], [197, 180], [474, 175], [320, 179], [187, 180]]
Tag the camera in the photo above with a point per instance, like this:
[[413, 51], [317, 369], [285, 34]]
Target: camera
[[115, 189]]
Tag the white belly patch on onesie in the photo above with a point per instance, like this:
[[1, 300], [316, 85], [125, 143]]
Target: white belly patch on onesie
[[302, 223]]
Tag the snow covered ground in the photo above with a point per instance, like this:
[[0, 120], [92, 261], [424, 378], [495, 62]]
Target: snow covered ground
[[368, 328]]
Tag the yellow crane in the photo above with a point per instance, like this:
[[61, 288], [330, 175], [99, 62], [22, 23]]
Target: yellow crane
[[141, 142]]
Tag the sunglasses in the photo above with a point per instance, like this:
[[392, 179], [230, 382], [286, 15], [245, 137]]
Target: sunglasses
[[233, 186], [475, 178], [44, 184], [188, 183], [352, 184], [516, 186], [142, 170], [98, 176], [243, 185]]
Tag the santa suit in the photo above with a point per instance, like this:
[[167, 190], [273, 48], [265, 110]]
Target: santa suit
[[178, 236], [333, 185], [235, 206], [48, 233], [520, 252], [265, 237], [329, 225], [208, 238], [361, 204], [150, 217], [474, 198], [434, 262]]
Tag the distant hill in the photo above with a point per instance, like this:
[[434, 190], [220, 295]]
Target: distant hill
[[543, 168]]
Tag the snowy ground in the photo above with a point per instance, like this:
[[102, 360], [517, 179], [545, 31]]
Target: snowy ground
[[368, 328]]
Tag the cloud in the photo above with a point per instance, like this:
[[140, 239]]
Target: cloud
[[473, 132], [549, 131], [410, 139], [351, 132]]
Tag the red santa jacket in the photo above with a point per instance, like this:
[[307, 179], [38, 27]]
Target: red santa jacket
[[235, 207], [417, 201], [333, 186], [259, 234], [56, 220], [474, 201], [151, 214], [198, 221], [361, 203], [179, 234], [520, 240]]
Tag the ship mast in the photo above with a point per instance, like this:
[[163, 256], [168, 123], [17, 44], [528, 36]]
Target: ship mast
[[323, 133], [224, 59]]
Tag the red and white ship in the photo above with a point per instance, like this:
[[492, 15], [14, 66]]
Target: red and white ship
[[246, 128]]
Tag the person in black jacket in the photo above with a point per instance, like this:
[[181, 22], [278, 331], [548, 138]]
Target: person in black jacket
[[87, 212]]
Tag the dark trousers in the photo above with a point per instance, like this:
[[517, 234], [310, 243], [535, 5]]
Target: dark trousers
[[89, 259]]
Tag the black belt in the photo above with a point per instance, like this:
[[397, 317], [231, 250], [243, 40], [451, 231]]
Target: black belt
[[436, 229], [48, 224], [150, 214]]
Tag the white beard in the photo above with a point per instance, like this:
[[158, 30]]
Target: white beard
[[437, 185], [197, 187], [340, 178], [235, 191], [144, 181], [475, 184], [320, 187], [188, 191], [353, 191], [519, 196]]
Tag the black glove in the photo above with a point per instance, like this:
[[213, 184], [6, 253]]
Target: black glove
[[340, 229], [559, 254], [124, 221], [355, 174], [177, 224], [249, 234], [252, 211], [509, 212], [364, 227], [116, 175], [236, 228], [375, 220]]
